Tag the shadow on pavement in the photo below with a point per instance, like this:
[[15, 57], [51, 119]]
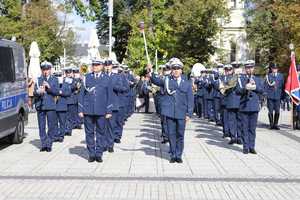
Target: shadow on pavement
[[214, 136], [4, 143], [36, 143], [151, 134], [79, 151]]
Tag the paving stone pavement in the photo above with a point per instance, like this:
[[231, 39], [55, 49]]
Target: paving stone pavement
[[140, 168]]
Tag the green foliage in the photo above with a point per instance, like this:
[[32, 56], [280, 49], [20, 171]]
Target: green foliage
[[37, 21], [273, 25], [183, 28]]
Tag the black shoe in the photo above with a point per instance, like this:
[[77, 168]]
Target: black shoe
[[78, 127], [239, 142], [231, 142], [164, 141], [43, 149], [271, 120], [117, 141], [219, 124], [68, 134], [253, 151], [48, 149], [179, 160], [59, 140], [245, 151], [110, 149], [173, 160], [99, 159], [276, 119], [91, 159]]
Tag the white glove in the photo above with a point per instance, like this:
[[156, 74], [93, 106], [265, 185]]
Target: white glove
[[250, 86]]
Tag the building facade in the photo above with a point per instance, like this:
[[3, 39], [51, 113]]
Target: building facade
[[232, 42]]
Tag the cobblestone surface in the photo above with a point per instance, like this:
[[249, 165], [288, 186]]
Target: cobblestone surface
[[140, 168]]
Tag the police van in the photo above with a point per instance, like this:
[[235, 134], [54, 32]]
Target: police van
[[13, 91]]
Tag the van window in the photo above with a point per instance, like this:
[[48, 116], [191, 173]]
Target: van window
[[6, 65]]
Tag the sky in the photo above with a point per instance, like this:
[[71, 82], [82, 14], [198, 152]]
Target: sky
[[82, 29]]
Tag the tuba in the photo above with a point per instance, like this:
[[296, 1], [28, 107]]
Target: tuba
[[232, 83]]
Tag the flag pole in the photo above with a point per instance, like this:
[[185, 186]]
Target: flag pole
[[291, 46], [142, 30]]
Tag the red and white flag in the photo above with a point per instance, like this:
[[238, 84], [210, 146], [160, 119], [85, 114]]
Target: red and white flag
[[292, 85]]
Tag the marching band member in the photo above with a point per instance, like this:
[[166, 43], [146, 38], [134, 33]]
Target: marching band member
[[274, 86], [178, 107], [95, 106], [249, 87], [45, 91]]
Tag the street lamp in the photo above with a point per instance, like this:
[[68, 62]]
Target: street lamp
[[142, 30], [110, 15]]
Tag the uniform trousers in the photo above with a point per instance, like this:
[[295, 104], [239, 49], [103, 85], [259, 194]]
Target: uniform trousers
[[217, 110], [50, 118], [233, 123], [61, 116], [71, 120], [273, 105], [176, 128], [94, 126], [110, 129], [249, 122], [164, 127], [118, 130], [226, 130], [200, 109]]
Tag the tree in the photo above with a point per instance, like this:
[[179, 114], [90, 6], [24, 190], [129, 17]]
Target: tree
[[271, 27], [39, 24], [184, 28]]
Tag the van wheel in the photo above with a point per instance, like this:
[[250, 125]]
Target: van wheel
[[18, 135]]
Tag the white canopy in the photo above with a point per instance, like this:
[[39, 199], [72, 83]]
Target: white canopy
[[34, 64], [93, 45]]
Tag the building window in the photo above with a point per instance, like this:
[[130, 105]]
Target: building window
[[232, 51]]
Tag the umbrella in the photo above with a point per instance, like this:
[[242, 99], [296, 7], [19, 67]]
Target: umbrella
[[93, 45], [34, 64]]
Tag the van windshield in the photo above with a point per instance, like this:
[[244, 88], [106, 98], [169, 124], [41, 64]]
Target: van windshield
[[6, 65]]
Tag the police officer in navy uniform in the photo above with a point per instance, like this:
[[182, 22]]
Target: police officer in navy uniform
[[217, 96], [78, 82], [95, 105], [118, 87], [62, 106], [238, 70], [249, 87], [274, 85], [123, 103], [232, 102], [166, 72], [178, 107], [129, 94], [72, 102], [208, 95], [45, 91], [199, 82]]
